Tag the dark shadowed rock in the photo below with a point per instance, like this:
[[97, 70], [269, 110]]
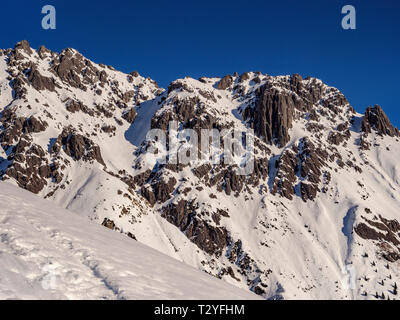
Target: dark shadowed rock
[[32, 125], [23, 45], [43, 52], [148, 194], [285, 179], [40, 82], [108, 224], [225, 82], [375, 118], [244, 76], [208, 238], [385, 235], [77, 146]]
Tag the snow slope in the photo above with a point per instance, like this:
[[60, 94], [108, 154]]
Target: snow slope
[[39, 239]]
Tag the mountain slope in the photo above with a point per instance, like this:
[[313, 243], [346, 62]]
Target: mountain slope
[[40, 240], [320, 206]]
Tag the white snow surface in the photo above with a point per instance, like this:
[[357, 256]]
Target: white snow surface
[[47, 252]]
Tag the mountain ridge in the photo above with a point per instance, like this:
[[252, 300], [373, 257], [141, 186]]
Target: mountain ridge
[[74, 132]]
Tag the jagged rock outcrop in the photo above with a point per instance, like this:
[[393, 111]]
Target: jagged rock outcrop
[[77, 146], [225, 82], [14, 126], [28, 166], [312, 162], [69, 65], [208, 238], [375, 118], [40, 82], [43, 52], [22, 46], [285, 178], [27, 161], [272, 116], [385, 232], [160, 190]]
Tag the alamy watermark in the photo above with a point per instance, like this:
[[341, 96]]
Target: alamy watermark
[[49, 20], [349, 20], [188, 147]]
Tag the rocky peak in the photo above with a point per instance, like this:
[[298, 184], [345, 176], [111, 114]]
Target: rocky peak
[[23, 45], [375, 118], [44, 53], [273, 115], [225, 82], [40, 82]]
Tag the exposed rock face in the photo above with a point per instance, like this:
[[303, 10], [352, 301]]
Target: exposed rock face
[[272, 116], [149, 195], [18, 86], [225, 82], [301, 165], [225, 178], [77, 146], [68, 68], [72, 68], [27, 162], [15, 126], [108, 224], [187, 111], [160, 190], [28, 167], [76, 106], [285, 179], [43, 52], [208, 238], [337, 138], [313, 160], [385, 232], [375, 118], [40, 82], [244, 76]]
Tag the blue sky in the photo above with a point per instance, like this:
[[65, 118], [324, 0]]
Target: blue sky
[[166, 40]]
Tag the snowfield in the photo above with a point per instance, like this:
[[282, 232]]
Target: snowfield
[[317, 219], [47, 252]]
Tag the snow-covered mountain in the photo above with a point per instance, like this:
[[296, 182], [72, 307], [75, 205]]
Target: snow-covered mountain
[[50, 253], [320, 206]]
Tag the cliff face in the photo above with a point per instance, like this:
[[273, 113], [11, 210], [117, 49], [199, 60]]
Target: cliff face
[[322, 195]]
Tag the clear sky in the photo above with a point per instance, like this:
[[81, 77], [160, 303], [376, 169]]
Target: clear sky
[[166, 40]]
